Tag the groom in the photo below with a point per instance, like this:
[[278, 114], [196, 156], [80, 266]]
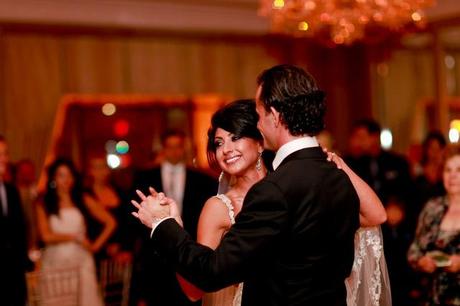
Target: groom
[[292, 243]]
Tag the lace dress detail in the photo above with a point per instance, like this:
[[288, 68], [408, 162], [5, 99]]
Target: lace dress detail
[[368, 282], [230, 296], [226, 200]]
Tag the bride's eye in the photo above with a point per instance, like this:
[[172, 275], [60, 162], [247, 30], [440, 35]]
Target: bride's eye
[[235, 138], [217, 143]]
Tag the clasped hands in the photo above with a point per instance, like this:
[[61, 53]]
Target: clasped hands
[[155, 207]]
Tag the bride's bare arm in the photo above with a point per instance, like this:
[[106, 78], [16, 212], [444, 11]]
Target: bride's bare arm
[[371, 210], [213, 223]]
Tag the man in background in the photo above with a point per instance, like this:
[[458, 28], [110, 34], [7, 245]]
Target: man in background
[[388, 173], [190, 189], [13, 244], [25, 180]]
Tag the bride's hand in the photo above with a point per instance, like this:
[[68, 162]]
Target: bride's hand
[[173, 208], [331, 156], [151, 209]]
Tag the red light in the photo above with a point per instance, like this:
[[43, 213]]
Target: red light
[[121, 128], [125, 160]]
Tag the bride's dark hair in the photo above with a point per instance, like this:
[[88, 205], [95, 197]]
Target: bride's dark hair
[[239, 118]]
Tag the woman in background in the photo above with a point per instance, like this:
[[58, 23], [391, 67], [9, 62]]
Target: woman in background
[[62, 217], [436, 248], [100, 189]]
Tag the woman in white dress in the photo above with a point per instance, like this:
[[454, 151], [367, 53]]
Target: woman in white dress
[[235, 146], [62, 214]]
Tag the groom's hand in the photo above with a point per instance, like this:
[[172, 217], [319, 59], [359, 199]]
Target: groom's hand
[[151, 210], [173, 208]]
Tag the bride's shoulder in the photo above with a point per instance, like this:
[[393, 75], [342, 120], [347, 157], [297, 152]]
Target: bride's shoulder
[[215, 211], [217, 203]]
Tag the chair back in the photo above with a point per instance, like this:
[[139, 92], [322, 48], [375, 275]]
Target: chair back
[[54, 287], [115, 280]]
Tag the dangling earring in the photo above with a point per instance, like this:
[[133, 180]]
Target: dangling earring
[[259, 162], [221, 176]]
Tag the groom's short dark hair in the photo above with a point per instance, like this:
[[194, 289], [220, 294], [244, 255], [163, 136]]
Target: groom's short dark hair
[[294, 94]]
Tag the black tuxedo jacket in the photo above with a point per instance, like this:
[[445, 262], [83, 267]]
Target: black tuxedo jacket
[[156, 277], [13, 251], [292, 243]]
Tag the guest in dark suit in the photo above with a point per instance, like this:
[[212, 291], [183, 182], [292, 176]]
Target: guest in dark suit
[[13, 242], [190, 188], [292, 243], [389, 175]]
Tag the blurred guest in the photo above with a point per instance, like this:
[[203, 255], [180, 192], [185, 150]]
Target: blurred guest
[[13, 244], [25, 180], [389, 175], [436, 247], [428, 183], [62, 217], [101, 190], [190, 189]]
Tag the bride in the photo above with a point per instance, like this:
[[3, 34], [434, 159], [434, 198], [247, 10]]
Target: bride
[[234, 136]]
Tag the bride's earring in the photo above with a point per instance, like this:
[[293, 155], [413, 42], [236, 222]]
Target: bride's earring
[[259, 162]]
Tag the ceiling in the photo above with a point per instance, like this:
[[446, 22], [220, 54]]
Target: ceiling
[[230, 16]]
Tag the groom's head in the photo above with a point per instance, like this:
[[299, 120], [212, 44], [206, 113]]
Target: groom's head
[[288, 101]]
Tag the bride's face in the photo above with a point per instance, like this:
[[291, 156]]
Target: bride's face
[[236, 155]]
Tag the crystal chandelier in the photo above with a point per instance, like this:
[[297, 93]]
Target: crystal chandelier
[[342, 21]]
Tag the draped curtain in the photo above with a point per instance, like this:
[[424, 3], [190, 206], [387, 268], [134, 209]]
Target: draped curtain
[[38, 67]]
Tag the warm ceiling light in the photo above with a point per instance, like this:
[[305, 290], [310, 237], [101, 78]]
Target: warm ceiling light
[[342, 21]]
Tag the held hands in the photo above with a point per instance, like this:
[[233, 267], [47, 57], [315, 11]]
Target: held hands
[[155, 207]]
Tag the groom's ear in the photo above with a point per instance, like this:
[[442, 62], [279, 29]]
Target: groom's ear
[[276, 116]]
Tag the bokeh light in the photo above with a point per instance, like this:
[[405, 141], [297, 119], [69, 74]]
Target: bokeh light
[[121, 128], [386, 139], [454, 135], [113, 161], [122, 147], [110, 146], [109, 109]]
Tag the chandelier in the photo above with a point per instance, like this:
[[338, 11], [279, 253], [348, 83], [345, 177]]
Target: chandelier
[[342, 21]]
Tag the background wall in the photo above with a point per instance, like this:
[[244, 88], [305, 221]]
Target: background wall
[[40, 64]]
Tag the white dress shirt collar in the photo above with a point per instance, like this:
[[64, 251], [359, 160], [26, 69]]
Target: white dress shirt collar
[[293, 146], [169, 167]]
